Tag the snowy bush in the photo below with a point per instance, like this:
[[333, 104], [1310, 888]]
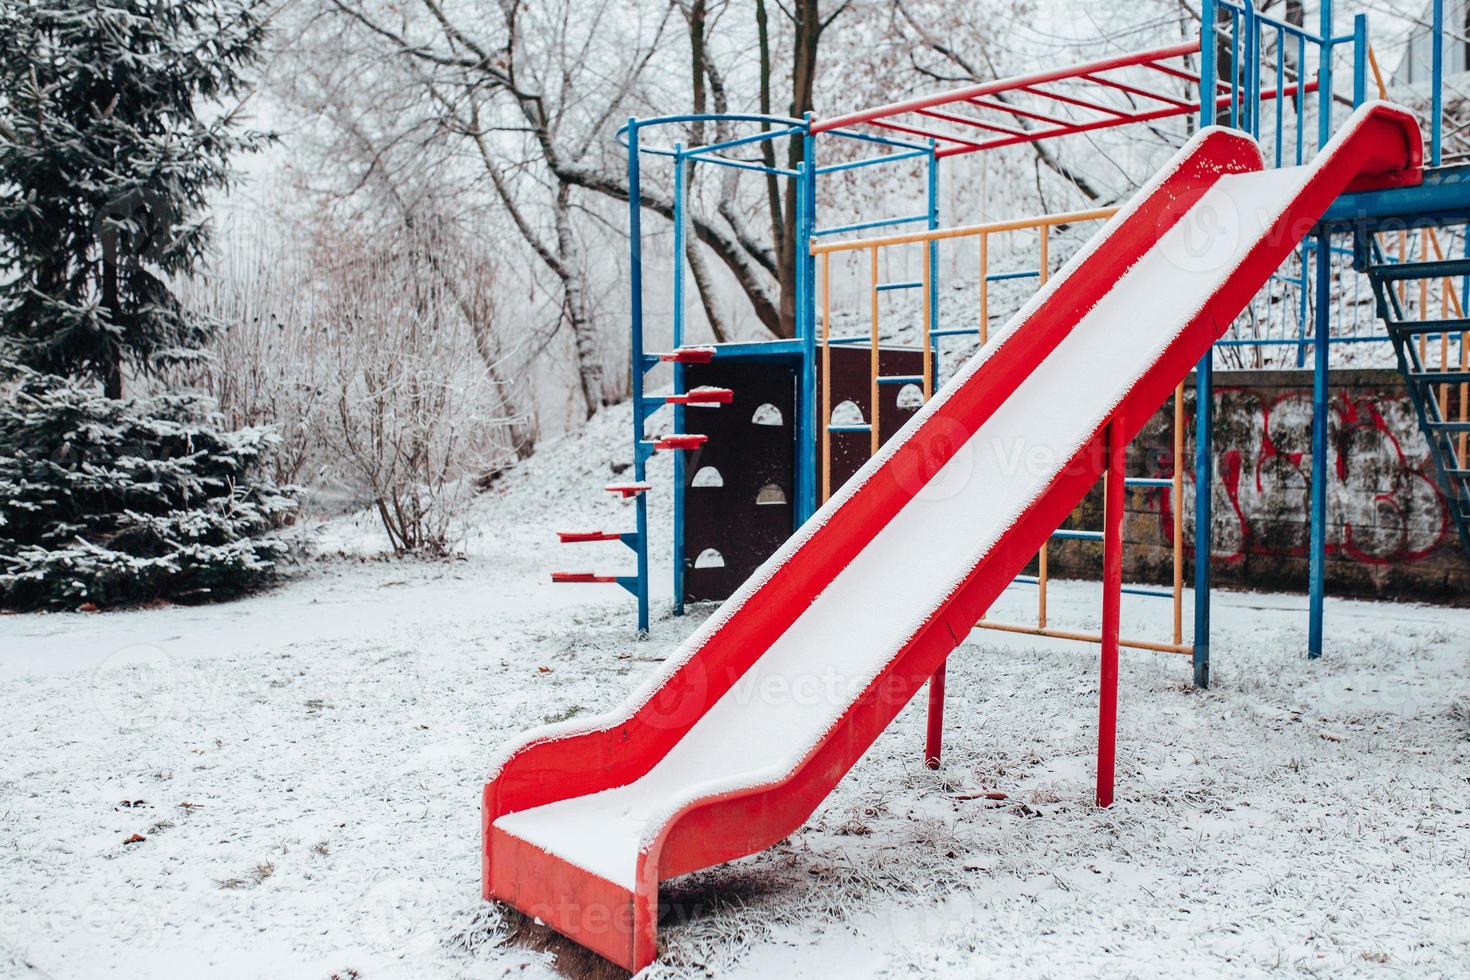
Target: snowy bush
[[111, 502]]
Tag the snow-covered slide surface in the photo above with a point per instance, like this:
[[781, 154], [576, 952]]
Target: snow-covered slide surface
[[806, 685]]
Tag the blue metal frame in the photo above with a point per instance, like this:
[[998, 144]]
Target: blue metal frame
[[681, 222], [800, 352], [1321, 347], [1249, 32], [639, 365]]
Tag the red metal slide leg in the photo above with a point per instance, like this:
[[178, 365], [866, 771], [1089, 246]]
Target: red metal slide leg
[[935, 737], [1107, 696]]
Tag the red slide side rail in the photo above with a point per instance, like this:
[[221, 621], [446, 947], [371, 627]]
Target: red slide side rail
[[729, 825]]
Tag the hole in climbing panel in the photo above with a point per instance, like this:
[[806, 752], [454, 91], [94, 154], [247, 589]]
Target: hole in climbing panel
[[767, 414], [707, 476], [709, 558], [910, 397], [847, 413], [770, 494]]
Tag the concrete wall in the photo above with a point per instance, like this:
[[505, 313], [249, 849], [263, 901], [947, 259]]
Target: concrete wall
[[1389, 532]]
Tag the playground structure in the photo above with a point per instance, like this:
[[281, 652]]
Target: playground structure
[[582, 820], [1282, 90]]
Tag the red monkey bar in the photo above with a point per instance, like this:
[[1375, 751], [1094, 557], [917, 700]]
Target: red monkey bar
[[1005, 112]]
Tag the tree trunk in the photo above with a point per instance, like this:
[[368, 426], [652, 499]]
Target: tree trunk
[[574, 306], [807, 23], [699, 70], [112, 385]]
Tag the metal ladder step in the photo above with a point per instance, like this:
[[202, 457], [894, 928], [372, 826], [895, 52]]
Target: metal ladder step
[[702, 396], [900, 379], [888, 287], [850, 428], [1415, 328], [1449, 426], [680, 440], [581, 578], [628, 489], [1437, 269], [689, 355], [1440, 377], [582, 537]]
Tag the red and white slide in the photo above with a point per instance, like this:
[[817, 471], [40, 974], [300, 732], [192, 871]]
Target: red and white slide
[[746, 729]]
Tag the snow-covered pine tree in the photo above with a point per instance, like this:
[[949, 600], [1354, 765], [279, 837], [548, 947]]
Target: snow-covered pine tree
[[107, 501], [116, 123]]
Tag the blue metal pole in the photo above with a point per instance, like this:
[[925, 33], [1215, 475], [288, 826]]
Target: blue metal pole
[[1305, 307], [1204, 394], [681, 173], [1236, 102], [806, 423], [1324, 77], [638, 365], [1208, 16], [1360, 59], [1251, 71], [1322, 327], [1436, 94], [1203, 400]]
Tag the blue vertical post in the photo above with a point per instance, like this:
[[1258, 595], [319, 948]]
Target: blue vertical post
[[1251, 71], [1305, 307], [1203, 399], [1204, 394], [1208, 16], [681, 169], [1360, 59], [638, 365], [806, 331], [1236, 102], [1321, 340], [1436, 93], [1324, 77]]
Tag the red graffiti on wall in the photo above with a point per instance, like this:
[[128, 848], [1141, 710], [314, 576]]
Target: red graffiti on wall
[[1383, 504]]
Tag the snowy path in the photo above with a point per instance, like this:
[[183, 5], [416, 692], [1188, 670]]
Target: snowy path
[[332, 738]]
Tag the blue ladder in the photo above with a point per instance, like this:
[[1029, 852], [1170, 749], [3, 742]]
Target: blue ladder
[[1442, 434]]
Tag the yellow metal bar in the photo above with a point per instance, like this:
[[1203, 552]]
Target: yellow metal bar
[[1424, 299], [984, 288], [1177, 505], [986, 624], [1403, 257], [1041, 577], [1045, 264], [1377, 74], [826, 377], [964, 231], [1447, 301], [873, 357]]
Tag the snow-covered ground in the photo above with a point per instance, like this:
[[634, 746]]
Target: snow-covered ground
[[305, 768]]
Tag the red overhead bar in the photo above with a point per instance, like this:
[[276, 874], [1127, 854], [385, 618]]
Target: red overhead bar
[[967, 121], [1002, 85], [1142, 93], [977, 132], [1018, 111]]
